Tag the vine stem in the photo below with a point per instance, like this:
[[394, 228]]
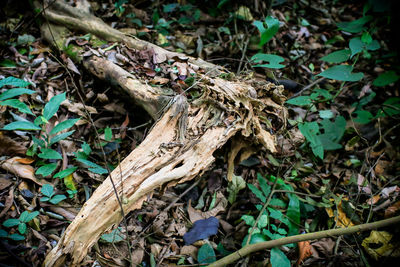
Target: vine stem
[[299, 238]]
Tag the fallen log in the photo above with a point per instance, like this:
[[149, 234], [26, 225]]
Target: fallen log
[[180, 145]]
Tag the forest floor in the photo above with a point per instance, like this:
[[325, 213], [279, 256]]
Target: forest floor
[[338, 159]]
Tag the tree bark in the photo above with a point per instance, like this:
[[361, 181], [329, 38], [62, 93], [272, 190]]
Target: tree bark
[[180, 145]]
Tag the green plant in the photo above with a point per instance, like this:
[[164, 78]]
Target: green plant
[[7, 97], [48, 193], [326, 132], [272, 223], [21, 222], [266, 34]]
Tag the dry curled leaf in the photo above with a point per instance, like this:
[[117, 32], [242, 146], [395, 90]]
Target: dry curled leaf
[[24, 171], [304, 251]]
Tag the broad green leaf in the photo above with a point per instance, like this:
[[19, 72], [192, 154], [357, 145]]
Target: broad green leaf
[[300, 101], [274, 61], [8, 63], [15, 103], [293, 213], [44, 199], [390, 107], [40, 120], [38, 142], [47, 190], [107, 134], [279, 259], [335, 129], [60, 137], [363, 116], [310, 131], [113, 237], [11, 222], [386, 78], [206, 254], [248, 219], [342, 73], [265, 187], [22, 228], [15, 92], [277, 202], [65, 172], [374, 45], [16, 237], [57, 199], [257, 192], [63, 125], [3, 233], [21, 125], [46, 169], [354, 26], [53, 105], [366, 38], [270, 31], [13, 82], [255, 238], [263, 221], [278, 215], [70, 183], [337, 56], [47, 153], [325, 114], [356, 46], [28, 216], [89, 163]]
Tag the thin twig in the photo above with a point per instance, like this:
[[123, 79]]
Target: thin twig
[[305, 88], [298, 238]]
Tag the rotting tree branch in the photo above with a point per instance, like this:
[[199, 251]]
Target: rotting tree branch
[[180, 145]]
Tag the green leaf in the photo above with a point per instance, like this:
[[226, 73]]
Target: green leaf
[[47, 153], [107, 134], [257, 192], [293, 213], [99, 170], [16, 237], [265, 187], [342, 73], [8, 63], [386, 78], [278, 215], [325, 114], [93, 166], [263, 221], [337, 56], [248, 219], [363, 116], [206, 254], [3, 233], [354, 26], [113, 237], [255, 238], [13, 82], [22, 228], [53, 105], [47, 190], [21, 125], [310, 131], [28, 216], [65, 172], [300, 101], [270, 31], [356, 46], [44, 199], [222, 3], [15, 103], [60, 137], [11, 222], [277, 202], [46, 169], [86, 149], [366, 38], [374, 45], [278, 258], [57, 199], [274, 61], [15, 92], [63, 125], [390, 107]]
